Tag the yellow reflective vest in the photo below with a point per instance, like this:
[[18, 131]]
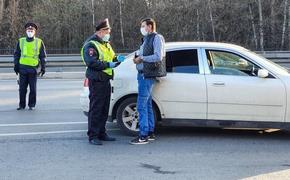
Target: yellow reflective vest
[[29, 51], [106, 54]]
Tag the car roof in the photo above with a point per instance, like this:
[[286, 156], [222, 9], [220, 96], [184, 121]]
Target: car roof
[[173, 45]]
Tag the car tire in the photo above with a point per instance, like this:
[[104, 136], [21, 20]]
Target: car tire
[[127, 116]]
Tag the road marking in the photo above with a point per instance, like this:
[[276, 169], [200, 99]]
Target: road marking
[[48, 132], [40, 133], [42, 124]]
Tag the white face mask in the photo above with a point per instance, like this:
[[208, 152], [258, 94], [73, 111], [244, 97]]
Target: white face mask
[[143, 31], [30, 34], [106, 37]]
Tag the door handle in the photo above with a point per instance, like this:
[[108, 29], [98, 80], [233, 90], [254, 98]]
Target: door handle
[[219, 84]]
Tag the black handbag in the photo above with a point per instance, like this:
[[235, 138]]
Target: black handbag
[[154, 69]]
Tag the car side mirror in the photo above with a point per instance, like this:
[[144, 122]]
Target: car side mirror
[[263, 73]]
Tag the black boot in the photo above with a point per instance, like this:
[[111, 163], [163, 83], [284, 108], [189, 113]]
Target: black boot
[[20, 108], [95, 142], [105, 137]]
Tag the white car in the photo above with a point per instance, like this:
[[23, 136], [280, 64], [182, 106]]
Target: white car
[[207, 85]]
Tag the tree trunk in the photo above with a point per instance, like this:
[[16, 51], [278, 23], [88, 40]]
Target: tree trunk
[[1, 10], [261, 25], [197, 25], [288, 25], [211, 20], [253, 26], [284, 23], [93, 12], [13, 14], [272, 20], [121, 24]]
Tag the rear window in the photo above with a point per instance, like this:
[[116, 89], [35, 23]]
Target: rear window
[[182, 61]]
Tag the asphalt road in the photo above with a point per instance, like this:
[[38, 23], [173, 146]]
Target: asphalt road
[[51, 143]]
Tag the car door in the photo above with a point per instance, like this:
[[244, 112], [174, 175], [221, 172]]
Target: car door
[[182, 93], [235, 92]]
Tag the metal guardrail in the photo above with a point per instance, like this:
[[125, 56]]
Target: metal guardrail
[[276, 56], [280, 57], [8, 51], [74, 60], [53, 60]]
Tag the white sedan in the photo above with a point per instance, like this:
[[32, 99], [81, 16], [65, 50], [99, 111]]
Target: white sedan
[[207, 85]]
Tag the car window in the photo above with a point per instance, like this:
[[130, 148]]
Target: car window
[[182, 61], [227, 63]]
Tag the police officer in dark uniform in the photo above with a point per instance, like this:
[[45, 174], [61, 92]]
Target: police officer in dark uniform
[[28, 57], [100, 60]]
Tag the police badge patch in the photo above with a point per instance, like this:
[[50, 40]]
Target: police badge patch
[[91, 51]]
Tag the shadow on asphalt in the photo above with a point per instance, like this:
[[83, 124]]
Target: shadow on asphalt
[[225, 133]]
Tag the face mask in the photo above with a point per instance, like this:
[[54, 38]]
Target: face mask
[[30, 34], [106, 37], [143, 31]]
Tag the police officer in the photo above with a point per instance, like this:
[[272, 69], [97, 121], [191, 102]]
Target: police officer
[[28, 57], [100, 60]]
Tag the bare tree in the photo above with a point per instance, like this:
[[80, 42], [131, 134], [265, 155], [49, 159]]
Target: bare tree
[[272, 16], [261, 25], [288, 23], [197, 25], [211, 19], [284, 23], [121, 23], [67, 23], [253, 26], [93, 12], [1, 9]]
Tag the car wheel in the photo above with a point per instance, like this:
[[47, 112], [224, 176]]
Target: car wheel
[[128, 117]]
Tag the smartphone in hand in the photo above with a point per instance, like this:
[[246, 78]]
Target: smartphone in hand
[[137, 53]]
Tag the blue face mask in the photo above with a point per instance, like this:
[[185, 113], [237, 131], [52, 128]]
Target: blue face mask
[[106, 38]]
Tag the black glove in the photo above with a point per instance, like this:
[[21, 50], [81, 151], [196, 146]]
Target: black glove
[[16, 69], [42, 72]]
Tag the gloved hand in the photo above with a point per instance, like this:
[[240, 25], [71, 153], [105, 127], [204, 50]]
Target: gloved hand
[[42, 72], [121, 58], [16, 69], [113, 64]]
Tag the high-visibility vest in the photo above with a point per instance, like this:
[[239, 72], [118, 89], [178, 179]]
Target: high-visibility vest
[[106, 54], [29, 51]]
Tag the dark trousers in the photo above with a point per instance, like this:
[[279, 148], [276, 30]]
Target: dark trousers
[[25, 79], [100, 95]]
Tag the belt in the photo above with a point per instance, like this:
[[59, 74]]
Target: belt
[[140, 71]]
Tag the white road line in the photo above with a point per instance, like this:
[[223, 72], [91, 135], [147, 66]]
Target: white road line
[[47, 132], [40, 133], [41, 124]]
